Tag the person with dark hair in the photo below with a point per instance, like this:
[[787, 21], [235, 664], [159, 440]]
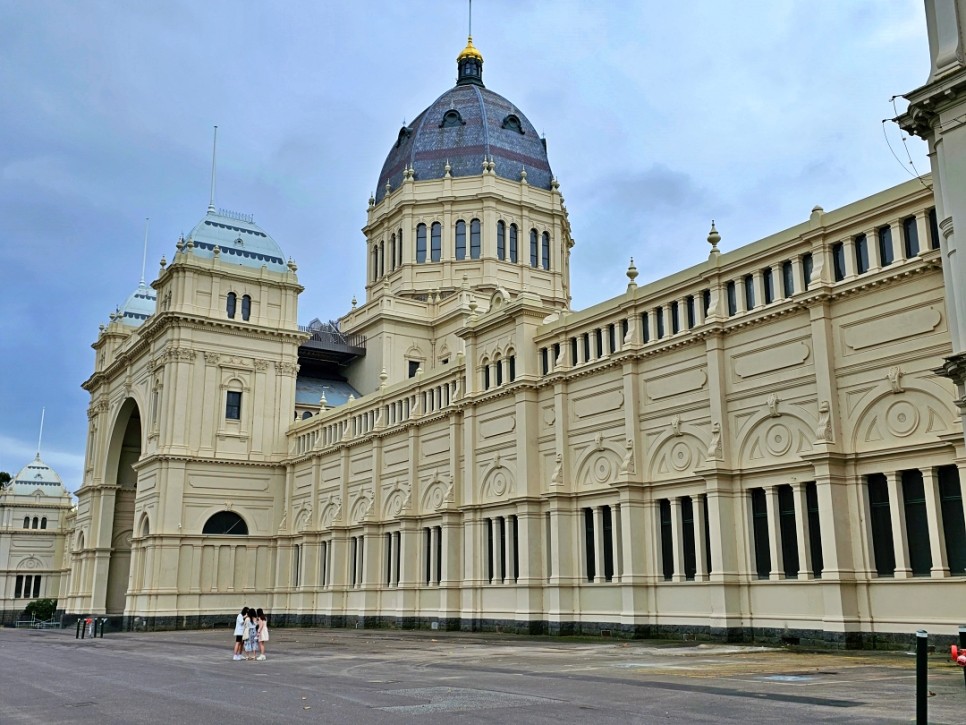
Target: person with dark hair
[[262, 632], [251, 634], [240, 632]]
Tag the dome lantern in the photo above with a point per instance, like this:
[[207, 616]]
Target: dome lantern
[[469, 64]]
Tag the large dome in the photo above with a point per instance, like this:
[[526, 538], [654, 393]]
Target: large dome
[[462, 127], [239, 240]]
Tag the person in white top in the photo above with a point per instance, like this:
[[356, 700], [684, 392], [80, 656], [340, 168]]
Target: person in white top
[[240, 633]]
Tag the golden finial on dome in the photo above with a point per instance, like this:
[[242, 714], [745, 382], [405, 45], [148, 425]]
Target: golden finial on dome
[[469, 51]]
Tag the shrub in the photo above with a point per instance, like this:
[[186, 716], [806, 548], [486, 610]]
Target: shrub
[[42, 609]]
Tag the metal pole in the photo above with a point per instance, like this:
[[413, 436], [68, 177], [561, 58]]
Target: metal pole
[[922, 691], [77, 633], [962, 645]]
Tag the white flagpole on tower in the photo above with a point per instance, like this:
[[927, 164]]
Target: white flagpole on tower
[[214, 149], [40, 438]]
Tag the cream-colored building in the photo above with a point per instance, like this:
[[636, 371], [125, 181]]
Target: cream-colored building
[[757, 447], [35, 508]]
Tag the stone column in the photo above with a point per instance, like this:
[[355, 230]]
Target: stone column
[[897, 511], [758, 282], [848, 252], [677, 540], [774, 534], [872, 243], [937, 542], [802, 533], [898, 248]]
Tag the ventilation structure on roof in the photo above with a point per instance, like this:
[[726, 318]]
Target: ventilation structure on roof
[[451, 119]]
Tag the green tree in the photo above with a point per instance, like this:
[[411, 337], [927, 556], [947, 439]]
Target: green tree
[[4, 478], [42, 609]]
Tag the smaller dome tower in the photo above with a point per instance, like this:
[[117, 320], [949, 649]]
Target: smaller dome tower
[[470, 65]]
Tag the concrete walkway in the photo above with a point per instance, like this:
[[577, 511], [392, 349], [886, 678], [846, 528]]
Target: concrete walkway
[[380, 676]]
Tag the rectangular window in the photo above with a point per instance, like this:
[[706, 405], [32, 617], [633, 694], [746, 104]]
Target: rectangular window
[[954, 526], [749, 292], [436, 241], [36, 586], [599, 341], [732, 299], [838, 261], [502, 522], [807, 266], [814, 529], [439, 554], [586, 340], [933, 229], [421, 243], [659, 319], [353, 560], [18, 588], [500, 240], [687, 522], [707, 535], [515, 538], [607, 535], [759, 521], [910, 237], [884, 235], [534, 251], [612, 334], [545, 251], [880, 518], [460, 240], [388, 559], [645, 327], [917, 522], [489, 552], [428, 554], [297, 565], [233, 405], [475, 239], [675, 318], [512, 366], [706, 301], [589, 550], [513, 243], [413, 366], [573, 350], [667, 540], [789, 531], [788, 279], [861, 246], [691, 317], [768, 283], [544, 361], [324, 562]]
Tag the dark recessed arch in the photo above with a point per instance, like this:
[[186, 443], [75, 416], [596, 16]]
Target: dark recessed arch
[[225, 523]]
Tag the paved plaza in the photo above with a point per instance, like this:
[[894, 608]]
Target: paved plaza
[[382, 676]]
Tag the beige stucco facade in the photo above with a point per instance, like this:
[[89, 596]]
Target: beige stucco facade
[[755, 447]]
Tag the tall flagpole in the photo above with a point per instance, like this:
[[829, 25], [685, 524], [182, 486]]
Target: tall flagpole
[[40, 438], [214, 149], [144, 257]]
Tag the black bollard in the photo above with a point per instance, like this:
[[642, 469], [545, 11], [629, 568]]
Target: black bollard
[[962, 645], [77, 634], [922, 686]]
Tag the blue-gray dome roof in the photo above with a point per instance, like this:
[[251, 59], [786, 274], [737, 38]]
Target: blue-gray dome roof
[[139, 305], [484, 124], [37, 476], [240, 240]]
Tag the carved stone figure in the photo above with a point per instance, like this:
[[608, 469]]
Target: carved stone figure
[[823, 432], [715, 449], [627, 465], [557, 478], [676, 426], [895, 379], [773, 406]]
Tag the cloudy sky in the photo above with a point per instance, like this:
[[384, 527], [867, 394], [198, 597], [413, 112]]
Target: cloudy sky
[[658, 117]]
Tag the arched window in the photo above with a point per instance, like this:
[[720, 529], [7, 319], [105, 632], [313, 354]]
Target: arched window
[[26, 522], [534, 252], [513, 243], [500, 240], [34, 523], [382, 258], [498, 364], [306, 415], [226, 523], [486, 374], [436, 241], [511, 367], [43, 522], [452, 119], [545, 251], [399, 249], [512, 122], [246, 307], [392, 252], [461, 239], [230, 306], [475, 239], [375, 263], [421, 243]]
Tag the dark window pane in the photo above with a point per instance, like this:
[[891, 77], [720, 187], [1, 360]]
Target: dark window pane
[[884, 235], [534, 250], [687, 522], [861, 254], [659, 320], [475, 239], [230, 304], [675, 318], [732, 299], [421, 243], [691, 318], [436, 241], [233, 405], [933, 229], [225, 523], [667, 540], [769, 284], [954, 527], [461, 239], [838, 261], [589, 544], [759, 518], [788, 530], [607, 534], [749, 292], [788, 279], [500, 240], [814, 529], [513, 243], [881, 521], [645, 327], [917, 522], [807, 266], [246, 307], [910, 236]]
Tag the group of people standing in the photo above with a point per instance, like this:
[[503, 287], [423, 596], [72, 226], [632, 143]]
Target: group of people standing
[[251, 634]]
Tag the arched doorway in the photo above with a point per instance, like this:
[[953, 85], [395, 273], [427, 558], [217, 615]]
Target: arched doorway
[[123, 454]]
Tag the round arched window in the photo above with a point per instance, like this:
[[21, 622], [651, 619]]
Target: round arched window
[[226, 523]]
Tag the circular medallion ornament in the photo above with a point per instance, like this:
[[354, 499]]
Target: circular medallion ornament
[[435, 497], [680, 456], [902, 418], [603, 470], [499, 484], [778, 440]]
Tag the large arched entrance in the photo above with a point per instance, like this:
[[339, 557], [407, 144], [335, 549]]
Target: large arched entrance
[[123, 454]]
